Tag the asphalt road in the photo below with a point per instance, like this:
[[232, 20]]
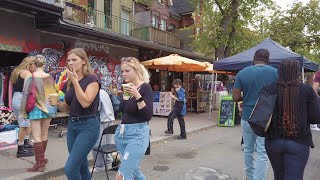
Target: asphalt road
[[212, 154]]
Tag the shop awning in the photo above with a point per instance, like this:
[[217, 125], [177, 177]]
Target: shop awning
[[175, 63]]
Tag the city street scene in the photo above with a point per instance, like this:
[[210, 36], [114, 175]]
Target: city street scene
[[159, 89]]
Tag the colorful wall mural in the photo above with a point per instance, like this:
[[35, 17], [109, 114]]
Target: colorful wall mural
[[103, 64]]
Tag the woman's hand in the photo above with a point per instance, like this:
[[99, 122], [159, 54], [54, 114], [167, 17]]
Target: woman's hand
[[72, 74], [133, 90]]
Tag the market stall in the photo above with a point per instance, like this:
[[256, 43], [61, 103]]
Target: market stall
[[167, 65], [278, 53]]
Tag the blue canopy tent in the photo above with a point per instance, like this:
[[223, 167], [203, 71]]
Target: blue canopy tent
[[277, 54]]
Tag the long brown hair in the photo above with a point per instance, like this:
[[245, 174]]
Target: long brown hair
[[86, 68], [24, 65], [288, 96]]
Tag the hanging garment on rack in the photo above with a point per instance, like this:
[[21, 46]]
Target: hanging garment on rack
[[1, 88], [5, 89]]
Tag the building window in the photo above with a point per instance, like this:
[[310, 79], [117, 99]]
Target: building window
[[163, 25], [108, 13], [155, 22], [125, 22], [171, 27]]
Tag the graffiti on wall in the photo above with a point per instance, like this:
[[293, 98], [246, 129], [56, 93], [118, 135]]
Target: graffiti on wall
[[105, 66], [108, 71], [92, 47], [53, 56]]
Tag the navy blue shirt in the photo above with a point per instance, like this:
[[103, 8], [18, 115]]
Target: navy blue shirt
[[250, 81], [76, 108]]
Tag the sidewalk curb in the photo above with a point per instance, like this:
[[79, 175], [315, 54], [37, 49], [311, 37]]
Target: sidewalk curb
[[51, 174]]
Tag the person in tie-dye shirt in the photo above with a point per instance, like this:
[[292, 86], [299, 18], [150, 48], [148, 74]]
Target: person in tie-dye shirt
[[40, 116]]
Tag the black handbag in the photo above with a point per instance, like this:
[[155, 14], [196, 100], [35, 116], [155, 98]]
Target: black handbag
[[261, 115]]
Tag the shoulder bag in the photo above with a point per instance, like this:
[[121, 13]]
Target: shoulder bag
[[261, 115], [31, 99]]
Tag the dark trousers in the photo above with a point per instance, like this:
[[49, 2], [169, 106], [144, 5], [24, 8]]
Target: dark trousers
[[175, 113], [288, 158]]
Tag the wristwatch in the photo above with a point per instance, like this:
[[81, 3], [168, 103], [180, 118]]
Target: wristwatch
[[140, 99]]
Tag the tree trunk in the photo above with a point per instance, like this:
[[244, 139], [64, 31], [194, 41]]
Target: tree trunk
[[224, 36]]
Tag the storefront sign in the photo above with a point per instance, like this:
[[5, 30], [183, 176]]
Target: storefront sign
[[226, 111], [162, 103], [90, 46]]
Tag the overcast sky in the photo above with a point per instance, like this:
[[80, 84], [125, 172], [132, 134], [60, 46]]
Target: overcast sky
[[284, 3]]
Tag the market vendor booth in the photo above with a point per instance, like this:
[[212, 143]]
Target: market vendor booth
[[278, 53], [169, 68]]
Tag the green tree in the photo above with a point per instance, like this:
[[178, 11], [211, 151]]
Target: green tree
[[224, 28], [298, 28]]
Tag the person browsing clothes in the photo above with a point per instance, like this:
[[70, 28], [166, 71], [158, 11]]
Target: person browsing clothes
[[18, 77], [40, 116]]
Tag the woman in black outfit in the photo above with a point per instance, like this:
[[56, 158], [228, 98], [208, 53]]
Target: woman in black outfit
[[288, 139], [132, 135]]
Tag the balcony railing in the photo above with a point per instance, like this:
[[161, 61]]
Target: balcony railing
[[98, 19]]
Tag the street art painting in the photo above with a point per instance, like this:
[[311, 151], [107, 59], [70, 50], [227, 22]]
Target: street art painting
[[103, 64], [108, 71]]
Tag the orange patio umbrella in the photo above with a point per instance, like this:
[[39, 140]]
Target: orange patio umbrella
[[175, 63]]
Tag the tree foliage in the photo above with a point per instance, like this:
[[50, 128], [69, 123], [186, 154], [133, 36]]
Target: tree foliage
[[232, 26], [298, 29], [225, 26]]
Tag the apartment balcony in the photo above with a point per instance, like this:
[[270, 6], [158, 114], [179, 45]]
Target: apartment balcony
[[97, 19]]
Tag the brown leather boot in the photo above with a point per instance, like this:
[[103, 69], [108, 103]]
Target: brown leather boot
[[44, 145], [39, 156]]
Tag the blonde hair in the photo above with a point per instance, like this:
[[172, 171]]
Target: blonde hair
[[141, 71], [39, 61], [86, 68], [24, 65]]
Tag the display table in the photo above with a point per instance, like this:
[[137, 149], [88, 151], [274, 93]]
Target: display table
[[162, 103]]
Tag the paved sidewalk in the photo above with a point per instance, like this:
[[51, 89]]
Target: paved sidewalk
[[15, 168]]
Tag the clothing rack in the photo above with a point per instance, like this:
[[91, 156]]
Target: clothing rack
[[7, 69]]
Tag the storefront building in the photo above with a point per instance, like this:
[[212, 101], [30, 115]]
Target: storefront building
[[35, 27]]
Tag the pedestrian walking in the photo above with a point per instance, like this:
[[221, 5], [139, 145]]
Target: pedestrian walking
[[40, 116], [18, 76], [178, 111], [250, 81], [115, 99], [81, 102], [132, 135], [288, 139], [315, 85], [106, 120]]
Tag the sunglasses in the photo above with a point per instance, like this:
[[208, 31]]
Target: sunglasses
[[127, 59]]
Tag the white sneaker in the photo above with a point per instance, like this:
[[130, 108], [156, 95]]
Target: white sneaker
[[314, 127], [101, 169]]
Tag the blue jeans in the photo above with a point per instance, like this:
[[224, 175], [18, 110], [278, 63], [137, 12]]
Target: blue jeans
[[132, 145], [254, 170], [288, 158], [81, 137]]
